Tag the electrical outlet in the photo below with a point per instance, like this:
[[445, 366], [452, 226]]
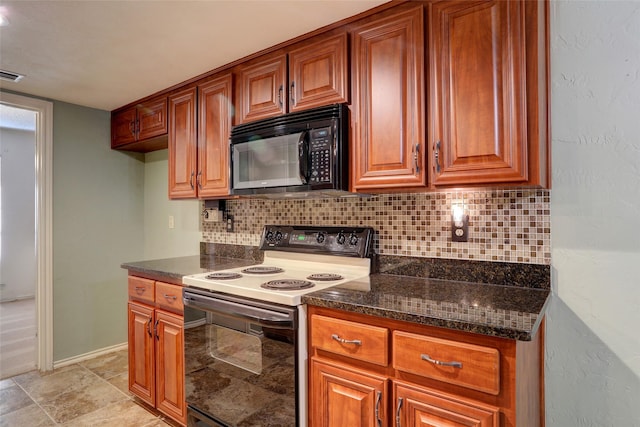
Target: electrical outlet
[[229, 223]]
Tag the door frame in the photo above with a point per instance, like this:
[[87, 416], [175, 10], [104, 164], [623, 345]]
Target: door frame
[[44, 221]]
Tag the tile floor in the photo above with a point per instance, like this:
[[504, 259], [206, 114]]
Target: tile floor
[[89, 393]]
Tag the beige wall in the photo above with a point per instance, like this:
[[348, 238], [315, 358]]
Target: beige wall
[[593, 344]]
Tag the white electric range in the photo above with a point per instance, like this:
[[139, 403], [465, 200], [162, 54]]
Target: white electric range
[[253, 319]]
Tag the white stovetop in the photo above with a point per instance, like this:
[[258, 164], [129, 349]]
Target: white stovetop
[[296, 266]]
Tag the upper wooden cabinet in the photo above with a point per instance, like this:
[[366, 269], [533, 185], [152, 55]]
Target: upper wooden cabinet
[[482, 94], [215, 114], [388, 138], [310, 74], [183, 154], [138, 128], [199, 131]]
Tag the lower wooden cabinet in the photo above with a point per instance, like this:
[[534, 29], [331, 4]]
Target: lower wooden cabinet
[[156, 351], [433, 377], [342, 396], [422, 407]]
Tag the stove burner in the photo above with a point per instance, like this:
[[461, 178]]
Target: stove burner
[[287, 284], [224, 276], [261, 269], [325, 277]]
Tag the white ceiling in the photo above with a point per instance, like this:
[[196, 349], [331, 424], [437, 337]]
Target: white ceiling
[[105, 54]]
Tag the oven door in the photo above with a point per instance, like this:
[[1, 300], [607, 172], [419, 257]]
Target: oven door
[[240, 361]]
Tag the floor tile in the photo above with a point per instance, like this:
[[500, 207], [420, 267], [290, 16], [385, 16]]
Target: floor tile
[[31, 416], [108, 365], [93, 394], [123, 414], [121, 382], [13, 398]]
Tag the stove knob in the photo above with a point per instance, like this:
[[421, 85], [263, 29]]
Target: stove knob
[[353, 239], [278, 236], [341, 238], [320, 238], [269, 236]]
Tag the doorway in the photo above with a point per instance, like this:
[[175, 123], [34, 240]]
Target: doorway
[[41, 215]]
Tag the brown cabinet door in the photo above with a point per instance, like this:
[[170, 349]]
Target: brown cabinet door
[[478, 85], [152, 119], [319, 73], [341, 396], [182, 144], [262, 89], [214, 126], [141, 352], [123, 127], [388, 102], [423, 407], [170, 365]]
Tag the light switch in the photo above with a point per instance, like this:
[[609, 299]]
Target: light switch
[[171, 222]]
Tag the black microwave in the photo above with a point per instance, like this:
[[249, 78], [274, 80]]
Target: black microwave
[[301, 154]]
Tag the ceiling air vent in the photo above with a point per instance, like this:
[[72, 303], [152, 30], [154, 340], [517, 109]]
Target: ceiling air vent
[[10, 76]]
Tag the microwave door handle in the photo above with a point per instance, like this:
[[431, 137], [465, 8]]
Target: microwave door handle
[[303, 157]]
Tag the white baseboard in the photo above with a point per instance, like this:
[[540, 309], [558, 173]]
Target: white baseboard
[[81, 358]]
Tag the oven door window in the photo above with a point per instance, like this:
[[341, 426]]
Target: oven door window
[[269, 162], [241, 373]]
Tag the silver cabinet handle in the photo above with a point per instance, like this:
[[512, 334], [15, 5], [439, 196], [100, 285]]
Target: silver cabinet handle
[[378, 400], [191, 180], [343, 341], [398, 408], [437, 156], [198, 181], [292, 98], [416, 153], [140, 290], [426, 358], [170, 297]]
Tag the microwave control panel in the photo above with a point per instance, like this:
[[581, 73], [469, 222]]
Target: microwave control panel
[[320, 152]]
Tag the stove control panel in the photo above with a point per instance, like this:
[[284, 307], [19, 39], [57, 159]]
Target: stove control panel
[[343, 241]]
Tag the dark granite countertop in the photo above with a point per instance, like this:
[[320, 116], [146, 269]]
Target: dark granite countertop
[[173, 269], [495, 310], [496, 299]]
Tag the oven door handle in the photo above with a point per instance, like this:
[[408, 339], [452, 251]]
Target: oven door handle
[[262, 316]]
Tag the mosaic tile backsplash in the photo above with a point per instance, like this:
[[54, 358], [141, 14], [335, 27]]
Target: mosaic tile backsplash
[[504, 225]]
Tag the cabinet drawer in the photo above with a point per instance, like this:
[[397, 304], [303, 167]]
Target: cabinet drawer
[[351, 339], [467, 365], [169, 297], [141, 289]]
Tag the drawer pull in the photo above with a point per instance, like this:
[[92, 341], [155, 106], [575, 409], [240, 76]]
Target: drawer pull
[[140, 290], [426, 358], [343, 341], [170, 297], [398, 420], [378, 400]]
